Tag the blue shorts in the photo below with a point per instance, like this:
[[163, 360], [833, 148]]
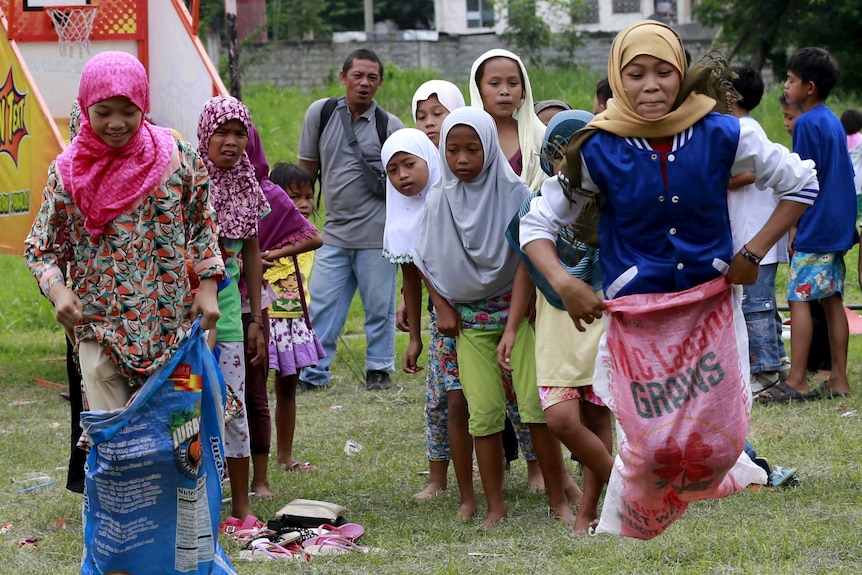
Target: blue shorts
[[815, 276]]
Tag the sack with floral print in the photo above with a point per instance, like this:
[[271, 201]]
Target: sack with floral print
[[673, 370]]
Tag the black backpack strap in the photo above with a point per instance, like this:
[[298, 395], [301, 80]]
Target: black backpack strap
[[325, 114], [381, 119]]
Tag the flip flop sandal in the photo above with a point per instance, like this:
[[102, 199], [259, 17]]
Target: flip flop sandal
[[301, 467], [351, 531], [332, 546], [265, 550], [246, 530], [783, 393]]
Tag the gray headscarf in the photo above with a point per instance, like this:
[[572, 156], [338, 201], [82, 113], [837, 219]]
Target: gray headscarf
[[462, 249]]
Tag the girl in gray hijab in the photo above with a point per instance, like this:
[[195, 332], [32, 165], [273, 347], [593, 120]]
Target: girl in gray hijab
[[470, 270]]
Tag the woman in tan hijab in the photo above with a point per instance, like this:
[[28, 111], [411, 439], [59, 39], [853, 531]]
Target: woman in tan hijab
[[658, 162]]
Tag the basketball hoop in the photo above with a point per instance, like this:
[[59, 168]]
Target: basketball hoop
[[73, 25]]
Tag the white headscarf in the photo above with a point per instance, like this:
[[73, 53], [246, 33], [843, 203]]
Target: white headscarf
[[462, 249], [447, 93], [403, 213], [531, 130]]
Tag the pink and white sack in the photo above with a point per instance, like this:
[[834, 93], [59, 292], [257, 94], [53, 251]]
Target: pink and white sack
[[673, 369]]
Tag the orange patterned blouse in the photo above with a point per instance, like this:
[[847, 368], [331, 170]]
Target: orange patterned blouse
[[132, 279]]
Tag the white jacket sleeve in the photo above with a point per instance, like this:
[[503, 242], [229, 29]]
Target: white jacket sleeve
[[775, 167], [551, 211]]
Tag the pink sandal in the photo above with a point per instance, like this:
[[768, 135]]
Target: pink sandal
[[350, 531], [266, 550], [332, 545], [244, 531]]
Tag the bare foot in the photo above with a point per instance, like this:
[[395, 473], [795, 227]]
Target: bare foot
[[492, 520], [837, 385], [262, 491], [564, 514], [534, 477], [585, 520], [433, 490], [574, 495], [466, 511]]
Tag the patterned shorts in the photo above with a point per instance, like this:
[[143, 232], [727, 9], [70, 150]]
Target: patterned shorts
[[553, 395], [231, 362], [815, 276]]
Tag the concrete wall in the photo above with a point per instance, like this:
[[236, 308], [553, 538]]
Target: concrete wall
[[311, 64]]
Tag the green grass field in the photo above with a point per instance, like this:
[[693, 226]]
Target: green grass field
[[812, 528]]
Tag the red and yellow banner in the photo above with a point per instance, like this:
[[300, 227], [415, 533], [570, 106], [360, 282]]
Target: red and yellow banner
[[29, 141]]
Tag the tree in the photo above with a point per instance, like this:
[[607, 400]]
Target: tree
[[296, 19], [768, 29], [318, 18], [407, 14], [527, 28]]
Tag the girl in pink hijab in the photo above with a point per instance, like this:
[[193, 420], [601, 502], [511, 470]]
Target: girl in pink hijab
[[129, 202]]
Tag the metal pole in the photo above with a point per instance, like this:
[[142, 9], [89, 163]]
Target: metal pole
[[369, 17], [232, 49]]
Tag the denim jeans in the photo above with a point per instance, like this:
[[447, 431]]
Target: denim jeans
[[337, 273], [765, 346]]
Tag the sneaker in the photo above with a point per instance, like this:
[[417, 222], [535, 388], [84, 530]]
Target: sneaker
[[783, 477], [376, 380], [302, 385], [763, 381], [784, 370]]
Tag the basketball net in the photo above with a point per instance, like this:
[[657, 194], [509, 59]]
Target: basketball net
[[73, 25]]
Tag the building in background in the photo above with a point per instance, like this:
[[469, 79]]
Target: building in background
[[461, 17]]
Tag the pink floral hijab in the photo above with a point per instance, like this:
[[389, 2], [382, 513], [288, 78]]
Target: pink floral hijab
[[102, 180], [235, 193]]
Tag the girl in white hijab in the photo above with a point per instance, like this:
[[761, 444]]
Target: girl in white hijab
[[412, 165], [499, 85], [432, 102], [470, 271]]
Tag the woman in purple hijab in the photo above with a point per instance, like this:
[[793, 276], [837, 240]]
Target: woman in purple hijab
[[282, 232]]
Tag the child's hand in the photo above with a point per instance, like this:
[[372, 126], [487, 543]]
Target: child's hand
[[267, 259], [504, 350], [205, 303], [256, 343], [791, 236], [401, 321], [411, 356], [581, 302], [448, 321]]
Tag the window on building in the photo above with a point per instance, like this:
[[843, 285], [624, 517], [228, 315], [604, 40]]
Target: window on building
[[626, 6], [480, 14], [665, 10], [585, 12]]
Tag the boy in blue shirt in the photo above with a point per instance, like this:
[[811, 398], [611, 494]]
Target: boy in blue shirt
[[825, 231]]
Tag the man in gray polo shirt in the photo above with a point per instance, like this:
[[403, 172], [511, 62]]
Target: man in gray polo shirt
[[351, 256]]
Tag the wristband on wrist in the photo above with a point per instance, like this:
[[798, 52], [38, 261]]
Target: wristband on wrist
[[257, 319], [750, 256]]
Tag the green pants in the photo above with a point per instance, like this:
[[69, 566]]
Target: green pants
[[482, 378]]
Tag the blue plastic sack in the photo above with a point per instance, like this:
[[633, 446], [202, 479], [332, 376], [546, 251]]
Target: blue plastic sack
[[152, 493]]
